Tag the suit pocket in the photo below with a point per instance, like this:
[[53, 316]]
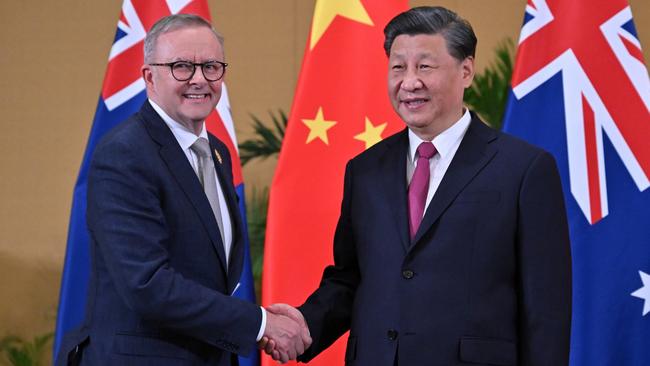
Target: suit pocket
[[488, 351], [151, 346], [351, 350]]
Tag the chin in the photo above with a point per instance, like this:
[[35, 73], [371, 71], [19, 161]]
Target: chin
[[416, 126], [200, 114], [416, 122]]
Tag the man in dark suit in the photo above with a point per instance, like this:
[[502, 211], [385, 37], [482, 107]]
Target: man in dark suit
[[452, 245], [166, 237]]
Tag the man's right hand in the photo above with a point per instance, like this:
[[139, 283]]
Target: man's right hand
[[286, 335]]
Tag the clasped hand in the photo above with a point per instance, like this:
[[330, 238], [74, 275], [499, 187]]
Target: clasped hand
[[286, 335]]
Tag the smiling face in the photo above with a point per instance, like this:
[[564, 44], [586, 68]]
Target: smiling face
[[187, 102], [426, 84]]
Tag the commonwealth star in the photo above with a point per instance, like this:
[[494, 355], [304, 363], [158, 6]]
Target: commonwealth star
[[644, 292]]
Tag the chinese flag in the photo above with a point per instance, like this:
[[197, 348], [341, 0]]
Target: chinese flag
[[341, 108]]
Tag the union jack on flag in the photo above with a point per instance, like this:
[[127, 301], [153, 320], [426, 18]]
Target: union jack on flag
[[122, 94], [580, 89]]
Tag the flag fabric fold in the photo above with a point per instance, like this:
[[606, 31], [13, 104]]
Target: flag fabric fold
[[580, 89], [340, 108], [122, 94]]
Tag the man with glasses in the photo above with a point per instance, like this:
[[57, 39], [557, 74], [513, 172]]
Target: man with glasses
[[166, 235]]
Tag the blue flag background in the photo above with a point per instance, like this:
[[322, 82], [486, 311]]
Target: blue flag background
[[562, 101]]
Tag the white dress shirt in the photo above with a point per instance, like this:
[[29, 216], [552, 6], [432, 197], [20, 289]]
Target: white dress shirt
[[186, 139], [446, 144]]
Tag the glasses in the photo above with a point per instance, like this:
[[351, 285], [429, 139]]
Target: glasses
[[184, 70]]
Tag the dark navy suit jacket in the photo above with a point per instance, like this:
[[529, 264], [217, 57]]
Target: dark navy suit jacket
[[486, 280], [159, 290]]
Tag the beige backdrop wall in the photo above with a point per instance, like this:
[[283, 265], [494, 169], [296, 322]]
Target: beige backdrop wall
[[52, 59]]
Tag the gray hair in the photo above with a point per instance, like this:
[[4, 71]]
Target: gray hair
[[171, 23], [457, 32]]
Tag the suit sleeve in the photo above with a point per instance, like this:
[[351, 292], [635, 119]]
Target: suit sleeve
[[328, 310], [544, 260], [128, 225]]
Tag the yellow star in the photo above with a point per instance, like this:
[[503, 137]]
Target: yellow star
[[327, 10], [318, 127], [372, 134]]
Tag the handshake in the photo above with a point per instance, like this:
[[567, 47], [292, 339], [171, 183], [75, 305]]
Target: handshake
[[286, 335]]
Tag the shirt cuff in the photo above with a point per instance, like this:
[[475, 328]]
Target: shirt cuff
[[262, 326]]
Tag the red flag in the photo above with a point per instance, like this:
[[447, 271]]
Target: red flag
[[341, 108]]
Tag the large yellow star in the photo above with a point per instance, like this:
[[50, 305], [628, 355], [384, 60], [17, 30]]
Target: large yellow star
[[327, 10], [372, 134], [318, 127]]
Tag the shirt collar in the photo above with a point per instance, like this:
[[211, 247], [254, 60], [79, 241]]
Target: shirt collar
[[183, 135], [446, 140]]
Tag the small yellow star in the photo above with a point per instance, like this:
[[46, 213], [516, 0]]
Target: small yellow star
[[326, 10], [318, 127], [372, 134]]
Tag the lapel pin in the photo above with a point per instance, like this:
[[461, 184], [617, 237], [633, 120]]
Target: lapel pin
[[218, 156]]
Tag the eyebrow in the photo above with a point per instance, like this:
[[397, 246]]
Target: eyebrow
[[419, 56], [177, 59]]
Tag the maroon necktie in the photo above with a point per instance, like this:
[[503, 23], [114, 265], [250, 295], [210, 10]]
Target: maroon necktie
[[419, 186]]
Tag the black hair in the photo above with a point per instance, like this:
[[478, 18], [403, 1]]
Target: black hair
[[457, 32]]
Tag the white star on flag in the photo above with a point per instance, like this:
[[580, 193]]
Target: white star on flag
[[644, 292]]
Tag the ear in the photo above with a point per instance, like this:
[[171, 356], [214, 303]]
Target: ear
[[147, 75], [467, 68]]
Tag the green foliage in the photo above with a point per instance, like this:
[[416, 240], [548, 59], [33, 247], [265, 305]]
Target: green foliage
[[256, 209], [268, 140], [488, 94], [19, 352]]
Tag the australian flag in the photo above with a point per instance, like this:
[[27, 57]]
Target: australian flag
[[580, 89], [123, 93]]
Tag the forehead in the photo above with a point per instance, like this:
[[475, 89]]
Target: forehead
[[420, 45], [189, 43]]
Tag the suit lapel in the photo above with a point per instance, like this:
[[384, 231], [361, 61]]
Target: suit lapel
[[472, 155], [182, 171], [393, 174]]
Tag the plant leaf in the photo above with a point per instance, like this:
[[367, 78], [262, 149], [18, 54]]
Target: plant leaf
[[267, 141], [489, 92]]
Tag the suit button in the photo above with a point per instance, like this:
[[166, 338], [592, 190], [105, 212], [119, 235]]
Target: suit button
[[392, 334], [408, 274]]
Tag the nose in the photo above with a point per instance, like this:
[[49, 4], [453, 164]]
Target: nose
[[411, 81]]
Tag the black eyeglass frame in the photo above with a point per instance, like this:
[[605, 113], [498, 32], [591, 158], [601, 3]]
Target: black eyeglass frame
[[194, 65]]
